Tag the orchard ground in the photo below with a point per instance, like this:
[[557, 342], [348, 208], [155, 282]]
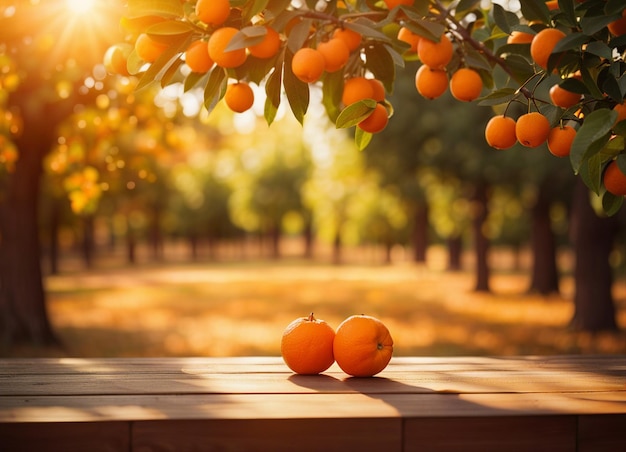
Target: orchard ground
[[233, 308]]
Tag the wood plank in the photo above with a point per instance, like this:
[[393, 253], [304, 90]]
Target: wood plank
[[484, 434], [65, 437], [329, 435], [301, 406], [602, 433]]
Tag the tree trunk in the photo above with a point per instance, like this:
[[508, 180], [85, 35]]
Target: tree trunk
[[23, 314], [481, 242], [88, 244], [337, 248], [455, 250], [545, 276], [308, 239], [592, 237], [53, 237], [420, 232]]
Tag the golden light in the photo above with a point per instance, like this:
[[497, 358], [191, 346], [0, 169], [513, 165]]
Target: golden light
[[80, 6]]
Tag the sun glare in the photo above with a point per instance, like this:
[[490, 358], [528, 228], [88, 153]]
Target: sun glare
[[80, 6]]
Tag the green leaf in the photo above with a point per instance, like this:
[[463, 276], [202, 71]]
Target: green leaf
[[535, 10], [552, 112], [362, 138], [621, 162], [355, 113], [600, 49], [380, 62], [247, 36], [500, 96], [367, 29], [299, 35], [296, 90], [614, 7], [611, 204], [332, 88], [169, 28], [590, 83], [163, 8], [273, 90], [572, 41], [155, 72], [521, 68], [252, 8], [215, 88], [612, 88], [593, 24], [192, 80], [504, 19], [466, 5], [574, 85], [568, 13], [592, 176], [592, 136]]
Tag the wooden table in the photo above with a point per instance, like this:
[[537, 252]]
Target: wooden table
[[565, 403]]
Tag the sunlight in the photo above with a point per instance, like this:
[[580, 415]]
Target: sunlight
[[80, 7]]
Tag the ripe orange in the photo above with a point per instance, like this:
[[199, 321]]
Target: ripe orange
[[376, 121], [431, 83], [543, 43], [350, 37], [563, 98], [239, 97], [532, 129], [148, 49], [466, 85], [614, 180], [393, 3], [308, 64], [560, 140], [435, 54], [618, 27], [218, 42], [197, 57], [378, 90], [500, 132], [552, 4], [268, 47], [621, 112], [362, 346], [213, 12], [519, 37], [356, 89], [412, 39], [335, 53], [307, 345]]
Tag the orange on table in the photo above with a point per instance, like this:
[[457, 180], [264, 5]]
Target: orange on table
[[268, 47], [412, 39], [307, 345], [500, 132], [532, 129], [197, 57], [356, 89], [563, 98], [149, 49], [431, 83], [466, 84], [350, 37], [543, 43], [363, 346], [308, 64], [213, 12], [560, 140], [239, 97], [376, 121], [335, 53], [435, 54], [614, 179], [218, 42]]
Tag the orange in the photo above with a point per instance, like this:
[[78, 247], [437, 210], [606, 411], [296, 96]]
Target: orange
[[197, 57], [552, 4], [614, 180], [376, 121], [115, 59], [335, 53], [519, 37], [378, 90], [308, 64], [393, 3], [618, 27], [356, 89], [532, 129], [560, 140], [218, 42], [362, 346], [350, 37], [621, 112], [435, 54], [563, 98], [431, 83], [543, 43], [500, 132], [213, 12], [268, 47], [466, 85], [412, 39], [307, 345], [148, 49], [239, 97]]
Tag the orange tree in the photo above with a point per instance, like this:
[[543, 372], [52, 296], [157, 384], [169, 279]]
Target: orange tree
[[503, 59]]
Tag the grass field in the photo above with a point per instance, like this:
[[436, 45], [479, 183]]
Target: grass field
[[234, 309]]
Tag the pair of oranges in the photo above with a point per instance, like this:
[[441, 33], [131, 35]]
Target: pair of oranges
[[362, 346]]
